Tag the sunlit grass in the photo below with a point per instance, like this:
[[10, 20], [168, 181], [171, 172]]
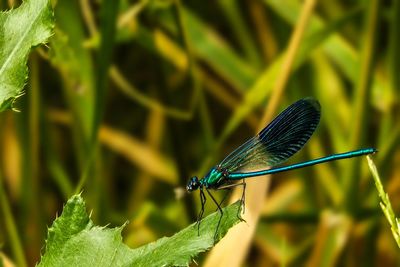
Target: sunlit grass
[[385, 204]]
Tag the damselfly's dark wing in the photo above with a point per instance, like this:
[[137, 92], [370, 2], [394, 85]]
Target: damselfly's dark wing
[[282, 138]]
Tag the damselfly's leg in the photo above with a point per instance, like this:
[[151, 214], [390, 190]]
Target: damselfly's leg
[[242, 199], [203, 200], [221, 212], [225, 197]]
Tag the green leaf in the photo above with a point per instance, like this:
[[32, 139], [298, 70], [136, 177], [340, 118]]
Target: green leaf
[[73, 240], [21, 28]]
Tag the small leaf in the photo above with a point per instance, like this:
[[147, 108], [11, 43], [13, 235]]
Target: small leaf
[[73, 240], [21, 28]]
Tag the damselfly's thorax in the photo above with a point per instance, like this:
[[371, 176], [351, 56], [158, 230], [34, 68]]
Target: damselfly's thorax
[[215, 177], [212, 180]]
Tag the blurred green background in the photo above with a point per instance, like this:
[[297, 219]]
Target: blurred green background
[[188, 81]]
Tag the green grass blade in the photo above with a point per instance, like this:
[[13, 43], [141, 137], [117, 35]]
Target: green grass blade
[[360, 102], [263, 86], [385, 204], [74, 64], [108, 14], [211, 48], [234, 15], [11, 227]]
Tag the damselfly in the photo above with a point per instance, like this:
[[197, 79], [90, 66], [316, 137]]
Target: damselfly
[[273, 145]]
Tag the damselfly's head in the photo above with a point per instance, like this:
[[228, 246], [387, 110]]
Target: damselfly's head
[[193, 184]]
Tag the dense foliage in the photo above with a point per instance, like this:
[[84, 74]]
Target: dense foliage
[[128, 99]]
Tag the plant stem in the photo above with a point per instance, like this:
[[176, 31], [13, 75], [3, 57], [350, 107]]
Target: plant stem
[[351, 181], [10, 225]]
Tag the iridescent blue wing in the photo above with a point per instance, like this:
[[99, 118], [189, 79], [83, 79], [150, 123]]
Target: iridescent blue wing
[[279, 140]]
